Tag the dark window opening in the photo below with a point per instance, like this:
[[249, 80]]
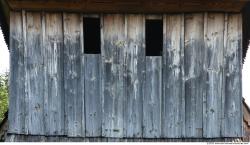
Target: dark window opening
[[154, 37], [92, 40]]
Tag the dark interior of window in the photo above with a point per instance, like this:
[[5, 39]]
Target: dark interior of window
[[154, 37], [92, 40]]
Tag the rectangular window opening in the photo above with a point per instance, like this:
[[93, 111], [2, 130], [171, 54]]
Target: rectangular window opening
[[92, 36], [154, 37]]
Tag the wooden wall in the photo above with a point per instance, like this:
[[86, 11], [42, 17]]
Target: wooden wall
[[192, 91]]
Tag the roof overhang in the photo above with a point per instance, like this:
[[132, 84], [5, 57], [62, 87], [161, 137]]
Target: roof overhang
[[129, 6], [4, 19]]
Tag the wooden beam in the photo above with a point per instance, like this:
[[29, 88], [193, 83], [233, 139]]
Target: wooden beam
[[133, 6]]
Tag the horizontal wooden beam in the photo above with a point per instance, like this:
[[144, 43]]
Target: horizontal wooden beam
[[130, 6]]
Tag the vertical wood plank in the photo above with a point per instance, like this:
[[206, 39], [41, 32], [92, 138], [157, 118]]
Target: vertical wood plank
[[113, 45], [233, 88], [152, 102], [17, 105], [34, 73], [24, 20], [214, 46], [173, 118], [73, 75], [224, 80], [194, 74], [53, 65], [134, 71], [93, 95]]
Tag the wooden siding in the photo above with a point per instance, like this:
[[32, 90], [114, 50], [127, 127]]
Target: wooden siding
[[173, 116], [214, 48], [192, 91], [36, 138]]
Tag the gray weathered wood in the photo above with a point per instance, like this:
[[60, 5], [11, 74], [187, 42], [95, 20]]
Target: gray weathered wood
[[134, 71], [73, 75], [26, 108], [201, 80], [34, 75], [194, 55], [113, 45], [214, 46], [223, 73], [152, 101], [173, 119], [233, 89], [30, 138], [17, 105], [53, 65], [93, 95]]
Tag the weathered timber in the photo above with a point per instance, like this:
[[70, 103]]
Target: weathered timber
[[173, 118], [232, 75], [134, 79], [192, 91], [113, 45], [214, 46], [152, 101], [16, 91], [131, 6], [194, 74], [34, 73], [93, 97], [30, 138], [53, 66], [73, 75]]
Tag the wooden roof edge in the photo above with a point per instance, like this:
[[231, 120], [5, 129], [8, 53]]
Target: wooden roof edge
[[4, 19], [137, 6]]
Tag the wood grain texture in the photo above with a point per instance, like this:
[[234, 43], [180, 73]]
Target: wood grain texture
[[134, 74], [129, 6], [73, 75], [233, 89], [214, 46], [113, 45], [30, 138], [192, 91], [93, 97], [53, 67], [17, 105], [34, 74], [152, 101], [173, 118], [194, 74]]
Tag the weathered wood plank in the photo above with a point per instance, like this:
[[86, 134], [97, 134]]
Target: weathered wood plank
[[73, 75], [194, 74], [26, 108], [134, 71], [233, 89], [93, 97], [113, 45], [173, 119], [224, 80], [17, 104], [214, 46], [30, 138], [130, 6], [53, 65], [34, 76], [152, 101]]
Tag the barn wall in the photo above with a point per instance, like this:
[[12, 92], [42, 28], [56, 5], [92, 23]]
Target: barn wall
[[192, 91]]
